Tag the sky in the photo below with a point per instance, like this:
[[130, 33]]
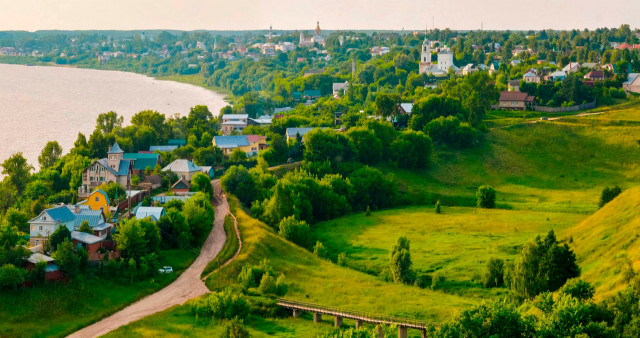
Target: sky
[[411, 15]]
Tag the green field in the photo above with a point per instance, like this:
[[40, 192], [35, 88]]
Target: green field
[[456, 244]]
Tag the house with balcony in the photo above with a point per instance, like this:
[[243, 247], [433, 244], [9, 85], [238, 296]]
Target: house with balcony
[[43, 225], [114, 168]]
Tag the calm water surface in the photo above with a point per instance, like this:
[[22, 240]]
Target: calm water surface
[[40, 104]]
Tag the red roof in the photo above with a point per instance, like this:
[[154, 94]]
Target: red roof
[[255, 138], [515, 96], [595, 74]]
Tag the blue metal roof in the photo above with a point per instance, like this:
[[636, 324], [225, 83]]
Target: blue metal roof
[[124, 167], [231, 141], [94, 217], [163, 148], [100, 191], [60, 214], [115, 149]]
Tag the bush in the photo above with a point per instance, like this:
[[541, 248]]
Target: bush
[[11, 277], [268, 285], [320, 250], [608, 194], [235, 329], [342, 259], [486, 197], [222, 305], [436, 280], [577, 288], [295, 231], [438, 207], [412, 149], [251, 275], [400, 261], [494, 277], [449, 131]]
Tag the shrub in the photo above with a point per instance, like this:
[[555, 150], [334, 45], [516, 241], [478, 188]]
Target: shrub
[[412, 149], [400, 261], [438, 207], [251, 275], [342, 259], [577, 288], [67, 259], [58, 236], [295, 231], [269, 285], [222, 305], [494, 277], [608, 194], [320, 250], [486, 197], [11, 277], [235, 329], [436, 280]]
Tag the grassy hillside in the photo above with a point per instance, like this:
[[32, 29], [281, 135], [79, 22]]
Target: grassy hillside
[[457, 243], [319, 281], [605, 242], [547, 166]]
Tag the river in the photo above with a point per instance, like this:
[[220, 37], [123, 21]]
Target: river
[[41, 104]]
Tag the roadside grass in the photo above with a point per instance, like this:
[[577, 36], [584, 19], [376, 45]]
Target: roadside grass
[[456, 244], [228, 250], [179, 322], [315, 280]]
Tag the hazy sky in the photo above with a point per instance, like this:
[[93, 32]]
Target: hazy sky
[[332, 14]]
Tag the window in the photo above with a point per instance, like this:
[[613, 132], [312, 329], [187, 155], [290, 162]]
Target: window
[[37, 241], [101, 179], [41, 228], [97, 199], [33, 228]]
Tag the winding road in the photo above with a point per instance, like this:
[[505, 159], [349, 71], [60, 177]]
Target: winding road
[[187, 286]]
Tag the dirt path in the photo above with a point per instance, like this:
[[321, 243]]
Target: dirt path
[[187, 286]]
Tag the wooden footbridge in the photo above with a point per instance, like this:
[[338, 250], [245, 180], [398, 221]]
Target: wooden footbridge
[[360, 317]]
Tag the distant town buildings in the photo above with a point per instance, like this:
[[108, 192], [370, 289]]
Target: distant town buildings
[[310, 41]]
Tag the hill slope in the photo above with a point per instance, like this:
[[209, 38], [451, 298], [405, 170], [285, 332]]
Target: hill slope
[[606, 241]]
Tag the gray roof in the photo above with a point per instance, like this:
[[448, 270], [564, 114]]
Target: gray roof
[[123, 170], [292, 132], [153, 212], [85, 237], [632, 77], [407, 107], [223, 142], [282, 110], [235, 116], [163, 148], [182, 166], [38, 257], [115, 149]]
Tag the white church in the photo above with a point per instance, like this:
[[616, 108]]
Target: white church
[[309, 41], [445, 61]]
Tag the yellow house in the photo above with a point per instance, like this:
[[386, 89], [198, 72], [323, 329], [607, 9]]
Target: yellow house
[[250, 144], [98, 200]]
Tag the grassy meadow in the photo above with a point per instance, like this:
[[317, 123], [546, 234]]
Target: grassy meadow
[[455, 244]]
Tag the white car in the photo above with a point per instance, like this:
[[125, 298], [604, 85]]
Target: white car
[[165, 269]]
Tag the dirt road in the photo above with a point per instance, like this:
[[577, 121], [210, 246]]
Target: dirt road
[[187, 286]]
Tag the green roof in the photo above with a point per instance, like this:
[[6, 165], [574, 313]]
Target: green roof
[[142, 160], [177, 142]]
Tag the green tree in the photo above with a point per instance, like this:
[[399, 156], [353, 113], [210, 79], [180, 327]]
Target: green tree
[[199, 214], [387, 104], [201, 182], [295, 231], [608, 194], [107, 122], [237, 155], [15, 217], [50, 154], [234, 328], [240, 183], [18, 171], [175, 229], [11, 277], [151, 234], [61, 234], [412, 149], [66, 258], [400, 261], [328, 145], [494, 277], [486, 196], [368, 146], [84, 227], [129, 238]]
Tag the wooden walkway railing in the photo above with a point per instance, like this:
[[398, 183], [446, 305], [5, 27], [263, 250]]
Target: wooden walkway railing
[[359, 317]]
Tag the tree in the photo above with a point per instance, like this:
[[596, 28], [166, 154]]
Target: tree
[[608, 194], [368, 146], [66, 258], [328, 145], [240, 183], [84, 227], [372, 189], [11, 277], [494, 277], [61, 234], [18, 171], [543, 265], [295, 231], [400, 261], [209, 156], [201, 182], [151, 234], [107, 122], [412, 149], [486, 196], [50, 154], [15, 217], [175, 229], [130, 240], [199, 214], [235, 329], [237, 155]]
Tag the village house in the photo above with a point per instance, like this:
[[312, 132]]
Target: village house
[[180, 142], [142, 161], [51, 270], [515, 100], [494, 68], [97, 200], [96, 220], [632, 85], [46, 223], [154, 213], [405, 108], [594, 75], [513, 86], [162, 148], [181, 187], [531, 77], [572, 67], [558, 75], [250, 144], [339, 88], [183, 168], [114, 168], [293, 133], [232, 122]]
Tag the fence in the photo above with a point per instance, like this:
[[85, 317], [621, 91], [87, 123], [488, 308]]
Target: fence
[[584, 106]]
